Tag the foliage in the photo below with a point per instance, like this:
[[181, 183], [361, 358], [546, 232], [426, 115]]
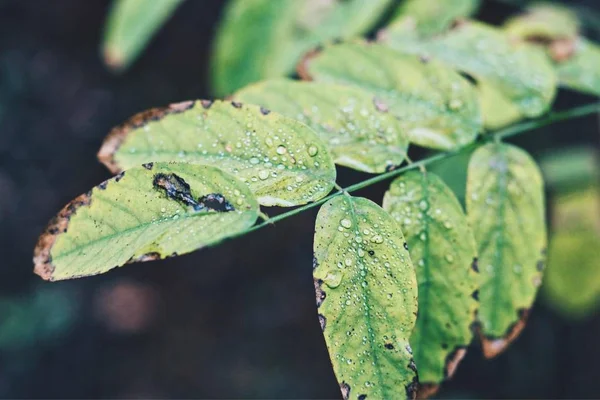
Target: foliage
[[398, 288]]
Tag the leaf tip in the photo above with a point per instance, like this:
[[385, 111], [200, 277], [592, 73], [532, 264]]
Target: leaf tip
[[493, 347]]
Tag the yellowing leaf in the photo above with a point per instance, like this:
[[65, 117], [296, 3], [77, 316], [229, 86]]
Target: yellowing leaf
[[435, 16], [282, 160], [130, 26], [435, 105], [366, 297], [505, 207], [442, 247], [146, 213], [261, 39], [519, 73], [354, 123]]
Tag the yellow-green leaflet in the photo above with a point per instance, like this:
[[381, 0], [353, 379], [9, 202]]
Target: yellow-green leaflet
[[543, 21], [443, 251], [366, 293], [572, 279], [150, 212], [260, 39], [581, 70], [505, 207], [359, 131], [435, 16], [282, 160], [518, 72], [130, 26], [436, 106]]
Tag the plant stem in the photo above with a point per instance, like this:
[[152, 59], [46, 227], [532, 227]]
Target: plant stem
[[513, 130]]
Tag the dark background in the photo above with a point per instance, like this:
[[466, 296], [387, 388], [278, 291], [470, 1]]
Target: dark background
[[236, 320]]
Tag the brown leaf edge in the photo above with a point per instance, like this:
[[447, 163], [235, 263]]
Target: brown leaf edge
[[42, 259], [494, 346], [117, 135]]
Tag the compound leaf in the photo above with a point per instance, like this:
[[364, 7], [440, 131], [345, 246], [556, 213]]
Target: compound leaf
[[146, 213], [366, 294], [355, 124], [433, 16], [519, 73], [436, 106], [443, 250], [282, 160], [261, 39], [505, 207], [130, 26]]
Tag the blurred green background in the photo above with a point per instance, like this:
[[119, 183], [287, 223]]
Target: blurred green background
[[237, 320]]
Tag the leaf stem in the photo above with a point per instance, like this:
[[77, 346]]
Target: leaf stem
[[510, 131]]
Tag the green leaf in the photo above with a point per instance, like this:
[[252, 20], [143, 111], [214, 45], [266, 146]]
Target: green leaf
[[433, 16], [572, 279], [366, 293], [282, 160], [544, 21], [130, 26], [146, 213], [519, 73], [359, 131], [505, 207], [580, 71], [443, 250], [261, 39], [436, 106]]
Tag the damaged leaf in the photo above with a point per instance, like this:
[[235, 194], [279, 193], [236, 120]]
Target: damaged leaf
[[437, 107], [150, 212], [359, 131], [517, 72], [581, 70], [505, 207], [434, 16], [130, 26], [261, 39], [443, 251], [282, 160], [366, 294]]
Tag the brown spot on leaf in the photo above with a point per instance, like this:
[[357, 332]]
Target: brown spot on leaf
[[42, 258], [426, 390], [236, 104], [206, 104], [494, 346], [265, 111], [345, 389], [412, 389], [117, 135], [562, 49], [453, 360], [302, 67], [319, 292], [145, 257], [322, 322], [148, 166], [475, 265], [389, 346]]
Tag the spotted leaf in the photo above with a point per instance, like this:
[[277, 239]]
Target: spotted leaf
[[366, 294], [517, 72], [130, 26], [282, 160], [260, 39], [359, 131], [505, 207], [146, 213], [435, 105], [442, 247]]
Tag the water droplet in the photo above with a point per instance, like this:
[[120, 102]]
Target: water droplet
[[281, 150], [346, 223], [263, 174], [449, 258], [313, 150]]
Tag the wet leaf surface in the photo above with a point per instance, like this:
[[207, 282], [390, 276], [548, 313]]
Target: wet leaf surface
[[505, 207], [517, 72], [443, 251], [146, 213], [436, 106], [260, 39], [130, 26], [282, 161], [355, 124], [366, 294]]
